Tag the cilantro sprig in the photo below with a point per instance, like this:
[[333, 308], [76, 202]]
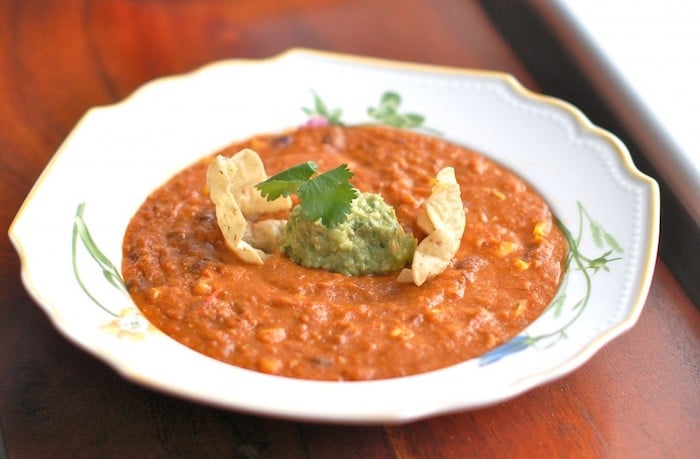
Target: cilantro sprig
[[326, 197]]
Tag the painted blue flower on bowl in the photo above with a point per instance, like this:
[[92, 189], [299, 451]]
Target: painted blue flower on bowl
[[577, 264]]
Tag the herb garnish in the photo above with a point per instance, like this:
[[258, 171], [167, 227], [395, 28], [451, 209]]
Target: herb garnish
[[326, 196]]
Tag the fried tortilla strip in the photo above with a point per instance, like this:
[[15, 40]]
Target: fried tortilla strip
[[228, 213], [250, 254], [230, 182], [443, 218], [432, 256], [245, 170], [443, 208], [265, 234]]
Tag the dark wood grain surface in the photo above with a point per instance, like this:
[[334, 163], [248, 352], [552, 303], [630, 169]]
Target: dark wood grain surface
[[638, 397]]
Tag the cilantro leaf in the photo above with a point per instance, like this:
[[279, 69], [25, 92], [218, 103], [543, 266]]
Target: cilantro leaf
[[326, 197], [288, 181]]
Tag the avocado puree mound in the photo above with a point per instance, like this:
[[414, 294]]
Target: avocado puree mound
[[369, 241]]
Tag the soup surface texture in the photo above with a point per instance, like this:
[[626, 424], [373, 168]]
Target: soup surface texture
[[288, 320]]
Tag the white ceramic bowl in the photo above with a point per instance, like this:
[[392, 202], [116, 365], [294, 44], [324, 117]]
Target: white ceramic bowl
[[118, 154]]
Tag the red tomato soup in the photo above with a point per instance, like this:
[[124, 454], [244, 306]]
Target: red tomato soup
[[284, 319]]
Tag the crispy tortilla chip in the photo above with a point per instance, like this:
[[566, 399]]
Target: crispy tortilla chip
[[266, 234], [250, 254], [228, 213], [231, 184], [443, 207], [432, 256], [245, 170], [443, 218]]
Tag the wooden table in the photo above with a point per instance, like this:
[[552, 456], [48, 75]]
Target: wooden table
[[638, 397]]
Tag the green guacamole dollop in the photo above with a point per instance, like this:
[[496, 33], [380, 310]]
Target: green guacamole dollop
[[369, 241]]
